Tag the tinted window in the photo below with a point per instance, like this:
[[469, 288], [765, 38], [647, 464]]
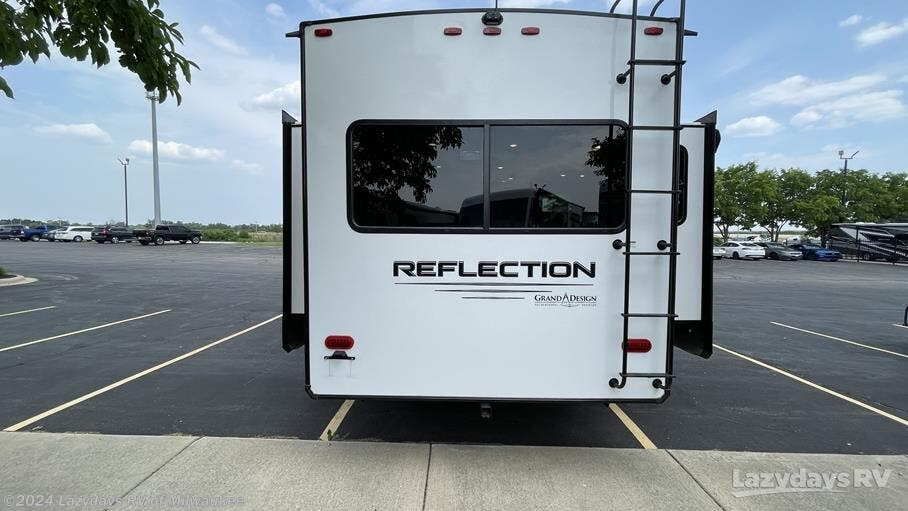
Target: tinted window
[[567, 176], [416, 175]]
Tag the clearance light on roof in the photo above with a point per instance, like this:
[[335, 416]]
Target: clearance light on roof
[[529, 30], [638, 346], [323, 32], [491, 31], [339, 342], [453, 31], [652, 30]]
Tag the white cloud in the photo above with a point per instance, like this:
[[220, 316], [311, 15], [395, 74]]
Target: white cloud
[[851, 109], [275, 10], [89, 131], [323, 9], [249, 168], [903, 79], [286, 97], [881, 32], [177, 151], [220, 41], [759, 126], [800, 90], [852, 20]]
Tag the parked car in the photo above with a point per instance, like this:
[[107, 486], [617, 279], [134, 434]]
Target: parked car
[[112, 234], [36, 233], [817, 253], [163, 233], [743, 250], [718, 252], [75, 233], [52, 234], [8, 232], [779, 251]]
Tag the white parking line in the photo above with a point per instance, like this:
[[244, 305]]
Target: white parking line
[[124, 381], [29, 343], [331, 429], [632, 427], [840, 339], [900, 326], [821, 388], [29, 310]]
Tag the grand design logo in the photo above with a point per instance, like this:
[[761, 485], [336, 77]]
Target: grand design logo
[[565, 300]]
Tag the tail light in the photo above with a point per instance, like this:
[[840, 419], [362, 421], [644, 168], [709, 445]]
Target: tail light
[[323, 32], [339, 342], [652, 30], [529, 30], [453, 31], [491, 31], [638, 346]]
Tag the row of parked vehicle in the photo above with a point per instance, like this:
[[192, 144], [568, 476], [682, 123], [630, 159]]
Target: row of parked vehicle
[[770, 250], [104, 234]]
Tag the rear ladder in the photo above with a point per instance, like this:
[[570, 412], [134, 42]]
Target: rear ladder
[[668, 249]]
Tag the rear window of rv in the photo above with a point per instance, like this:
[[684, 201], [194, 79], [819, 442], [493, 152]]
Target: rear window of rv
[[541, 177]]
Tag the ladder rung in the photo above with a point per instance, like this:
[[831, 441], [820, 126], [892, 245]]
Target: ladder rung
[[655, 128], [647, 315], [647, 375], [651, 253], [667, 192], [655, 62]]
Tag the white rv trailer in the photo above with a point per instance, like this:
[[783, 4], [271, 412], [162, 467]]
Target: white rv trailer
[[496, 205]]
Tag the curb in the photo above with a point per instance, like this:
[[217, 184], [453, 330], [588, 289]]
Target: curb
[[16, 280]]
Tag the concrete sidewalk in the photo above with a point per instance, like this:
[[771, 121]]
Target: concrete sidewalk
[[87, 471]]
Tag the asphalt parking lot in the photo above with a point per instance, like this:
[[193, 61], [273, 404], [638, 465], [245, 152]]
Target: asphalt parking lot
[[134, 308]]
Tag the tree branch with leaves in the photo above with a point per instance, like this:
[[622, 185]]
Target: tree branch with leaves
[[83, 29]]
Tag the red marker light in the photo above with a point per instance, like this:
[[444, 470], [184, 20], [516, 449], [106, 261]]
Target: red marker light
[[491, 31], [529, 30], [453, 31], [652, 30], [638, 346], [339, 342], [323, 32]]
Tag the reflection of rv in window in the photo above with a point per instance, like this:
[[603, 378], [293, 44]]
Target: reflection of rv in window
[[523, 225]]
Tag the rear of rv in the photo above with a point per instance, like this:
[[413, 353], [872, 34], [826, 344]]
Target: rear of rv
[[457, 200]]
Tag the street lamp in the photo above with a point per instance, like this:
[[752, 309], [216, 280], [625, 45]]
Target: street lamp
[[845, 170], [154, 155], [125, 164]]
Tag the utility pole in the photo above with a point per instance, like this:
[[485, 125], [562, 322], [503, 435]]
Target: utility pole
[[154, 155], [125, 190], [845, 170]]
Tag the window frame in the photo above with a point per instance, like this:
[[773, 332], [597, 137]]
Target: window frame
[[486, 125]]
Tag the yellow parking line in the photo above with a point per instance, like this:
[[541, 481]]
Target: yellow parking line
[[840, 340], [632, 427], [29, 310], [331, 429], [29, 343], [124, 381], [821, 388]]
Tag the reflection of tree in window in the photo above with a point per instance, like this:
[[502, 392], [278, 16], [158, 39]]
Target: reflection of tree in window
[[387, 160], [608, 157]]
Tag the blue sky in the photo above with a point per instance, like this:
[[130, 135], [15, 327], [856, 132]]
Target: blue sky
[[793, 83]]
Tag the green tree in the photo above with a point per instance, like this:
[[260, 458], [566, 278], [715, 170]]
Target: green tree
[[739, 192], [783, 199], [83, 28]]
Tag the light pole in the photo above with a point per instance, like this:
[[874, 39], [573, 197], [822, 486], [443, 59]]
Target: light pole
[[845, 170], [125, 164], [154, 156]]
